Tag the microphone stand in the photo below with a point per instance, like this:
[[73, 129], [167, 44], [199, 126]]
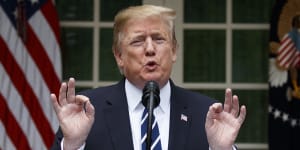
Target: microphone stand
[[150, 100], [150, 109]]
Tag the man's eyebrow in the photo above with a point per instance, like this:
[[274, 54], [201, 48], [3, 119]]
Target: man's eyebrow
[[137, 36], [157, 34]]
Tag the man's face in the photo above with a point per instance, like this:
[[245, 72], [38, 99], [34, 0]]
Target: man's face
[[146, 51]]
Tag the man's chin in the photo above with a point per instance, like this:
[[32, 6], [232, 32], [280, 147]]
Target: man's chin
[[152, 77], [157, 78]]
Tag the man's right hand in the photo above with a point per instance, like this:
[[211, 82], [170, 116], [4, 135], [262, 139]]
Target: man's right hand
[[75, 115]]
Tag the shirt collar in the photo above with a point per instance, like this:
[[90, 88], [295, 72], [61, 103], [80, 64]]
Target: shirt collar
[[134, 96]]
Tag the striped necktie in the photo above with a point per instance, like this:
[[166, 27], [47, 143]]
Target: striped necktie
[[155, 144]]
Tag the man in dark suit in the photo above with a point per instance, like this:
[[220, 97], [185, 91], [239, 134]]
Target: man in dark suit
[[108, 118]]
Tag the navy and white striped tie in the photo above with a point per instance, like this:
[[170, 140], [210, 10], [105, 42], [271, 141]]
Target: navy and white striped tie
[[155, 144]]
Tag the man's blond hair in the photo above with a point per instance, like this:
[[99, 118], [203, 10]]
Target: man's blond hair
[[141, 12]]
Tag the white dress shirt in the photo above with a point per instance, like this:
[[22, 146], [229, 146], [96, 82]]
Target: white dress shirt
[[161, 112]]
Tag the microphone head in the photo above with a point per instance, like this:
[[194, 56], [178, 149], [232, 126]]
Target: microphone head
[[151, 87]]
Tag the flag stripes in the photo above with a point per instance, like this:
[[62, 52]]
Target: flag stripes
[[30, 69], [12, 127], [20, 111], [38, 54], [27, 65], [288, 55], [40, 27], [51, 19], [5, 142], [29, 98]]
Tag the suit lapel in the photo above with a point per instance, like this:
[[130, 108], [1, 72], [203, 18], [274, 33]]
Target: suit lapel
[[117, 119], [180, 120], [118, 122]]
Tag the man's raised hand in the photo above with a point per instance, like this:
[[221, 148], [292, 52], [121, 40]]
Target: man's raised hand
[[223, 122], [75, 114]]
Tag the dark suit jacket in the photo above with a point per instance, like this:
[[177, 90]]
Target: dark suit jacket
[[111, 129]]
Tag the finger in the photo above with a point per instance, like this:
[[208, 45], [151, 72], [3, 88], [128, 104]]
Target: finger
[[55, 104], [71, 91], [228, 100], [86, 105], [242, 115], [90, 110], [235, 106], [214, 109], [62, 98], [81, 100]]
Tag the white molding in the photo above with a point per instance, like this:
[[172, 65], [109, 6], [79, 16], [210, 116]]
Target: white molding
[[155, 2], [228, 46], [96, 43], [177, 72], [252, 146], [87, 24], [193, 86]]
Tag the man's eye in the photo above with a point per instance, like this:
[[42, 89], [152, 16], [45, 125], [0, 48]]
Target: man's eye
[[136, 43], [159, 40]]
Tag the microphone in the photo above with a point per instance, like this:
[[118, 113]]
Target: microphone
[[150, 100]]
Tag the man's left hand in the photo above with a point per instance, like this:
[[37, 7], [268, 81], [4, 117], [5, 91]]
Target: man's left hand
[[223, 123]]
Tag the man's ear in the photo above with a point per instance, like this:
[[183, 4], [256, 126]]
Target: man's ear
[[174, 51], [118, 57]]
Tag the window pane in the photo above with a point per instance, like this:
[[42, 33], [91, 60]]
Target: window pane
[[80, 89], [250, 56], [254, 129], [77, 54], [204, 11], [109, 8], [108, 67], [204, 56], [252, 11], [75, 10]]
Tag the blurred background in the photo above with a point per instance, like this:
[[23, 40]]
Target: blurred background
[[222, 43]]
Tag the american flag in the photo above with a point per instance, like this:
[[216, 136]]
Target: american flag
[[30, 68], [289, 50], [184, 117]]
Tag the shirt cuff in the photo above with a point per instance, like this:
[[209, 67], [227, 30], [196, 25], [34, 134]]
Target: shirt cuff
[[62, 145]]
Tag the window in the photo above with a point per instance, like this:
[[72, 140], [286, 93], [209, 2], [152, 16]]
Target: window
[[223, 43]]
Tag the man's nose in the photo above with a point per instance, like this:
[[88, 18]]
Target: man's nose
[[150, 47]]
